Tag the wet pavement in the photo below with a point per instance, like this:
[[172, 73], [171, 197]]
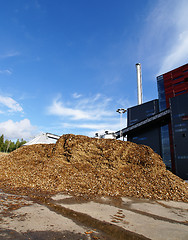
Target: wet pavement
[[67, 217]]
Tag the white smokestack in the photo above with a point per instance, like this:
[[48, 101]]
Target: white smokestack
[[139, 83]]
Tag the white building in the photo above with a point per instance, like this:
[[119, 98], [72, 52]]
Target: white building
[[43, 138]]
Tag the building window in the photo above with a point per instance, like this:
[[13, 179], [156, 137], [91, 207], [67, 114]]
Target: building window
[[175, 84], [166, 146], [133, 121], [180, 92], [180, 125], [161, 93], [177, 77], [183, 157], [181, 130]]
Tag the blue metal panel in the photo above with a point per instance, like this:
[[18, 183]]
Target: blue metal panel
[[179, 120]]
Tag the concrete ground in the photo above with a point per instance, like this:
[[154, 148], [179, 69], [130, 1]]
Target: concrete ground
[[67, 217]]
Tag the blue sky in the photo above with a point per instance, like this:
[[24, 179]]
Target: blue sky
[[67, 65]]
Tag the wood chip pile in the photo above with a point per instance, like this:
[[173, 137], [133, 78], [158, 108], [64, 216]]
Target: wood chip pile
[[81, 166]]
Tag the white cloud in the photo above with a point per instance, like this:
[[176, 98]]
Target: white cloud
[[124, 102], [178, 55], [11, 104], [90, 129], [168, 25], [57, 108], [93, 108], [17, 130], [76, 95], [6, 72], [86, 115], [113, 126], [163, 42], [10, 54]]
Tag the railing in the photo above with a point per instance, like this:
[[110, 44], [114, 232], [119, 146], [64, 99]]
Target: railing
[[150, 120]]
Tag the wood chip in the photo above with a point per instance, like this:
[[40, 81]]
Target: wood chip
[[80, 165]]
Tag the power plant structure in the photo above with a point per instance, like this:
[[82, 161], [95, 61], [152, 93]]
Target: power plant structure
[[162, 123]]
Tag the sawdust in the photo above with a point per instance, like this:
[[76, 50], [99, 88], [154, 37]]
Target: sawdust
[[81, 166], [3, 154]]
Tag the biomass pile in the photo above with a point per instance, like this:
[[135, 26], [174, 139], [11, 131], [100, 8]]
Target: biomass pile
[[88, 166]]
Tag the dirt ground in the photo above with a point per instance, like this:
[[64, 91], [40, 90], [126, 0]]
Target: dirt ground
[[68, 217]]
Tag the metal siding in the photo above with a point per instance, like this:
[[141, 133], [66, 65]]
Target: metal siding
[[172, 89], [140, 112], [179, 120], [151, 136], [175, 84]]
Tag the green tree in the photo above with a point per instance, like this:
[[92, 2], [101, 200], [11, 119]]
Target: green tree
[[8, 145], [12, 146], [22, 142], [18, 144], [1, 142]]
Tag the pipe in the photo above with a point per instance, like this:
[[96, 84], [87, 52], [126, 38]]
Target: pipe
[[139, 83]]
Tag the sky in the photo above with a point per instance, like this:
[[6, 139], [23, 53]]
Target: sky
[[66, 66]]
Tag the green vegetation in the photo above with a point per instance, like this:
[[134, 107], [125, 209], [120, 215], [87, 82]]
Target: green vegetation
[[8, 145]]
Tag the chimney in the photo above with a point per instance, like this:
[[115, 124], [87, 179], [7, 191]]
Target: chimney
[[139, 83]]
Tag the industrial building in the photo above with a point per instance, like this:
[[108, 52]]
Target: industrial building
[[162, 123]]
